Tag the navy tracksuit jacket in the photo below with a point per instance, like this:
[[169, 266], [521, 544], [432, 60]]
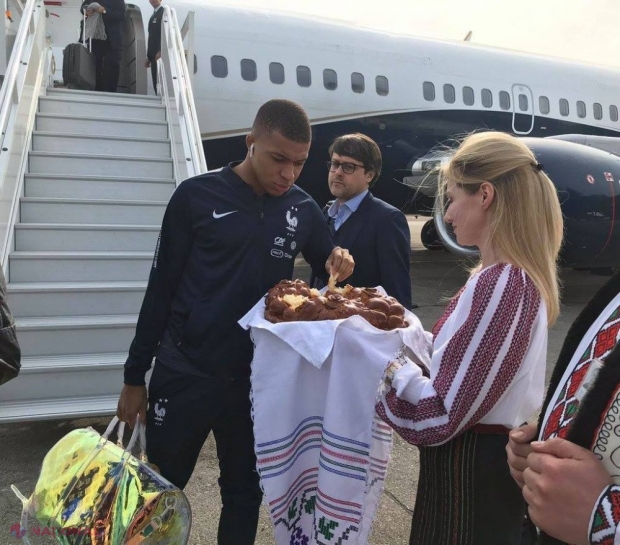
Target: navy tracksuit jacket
[[220, 249]]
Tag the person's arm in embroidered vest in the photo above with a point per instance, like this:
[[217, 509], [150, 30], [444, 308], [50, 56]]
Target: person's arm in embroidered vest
[[605, 520]]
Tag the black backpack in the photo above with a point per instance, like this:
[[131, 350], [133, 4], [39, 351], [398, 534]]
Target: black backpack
[[10, 353]]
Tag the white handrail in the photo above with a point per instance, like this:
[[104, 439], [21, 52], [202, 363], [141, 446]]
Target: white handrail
[[176, 88], [9, 84], [18, 103], [188, 30]]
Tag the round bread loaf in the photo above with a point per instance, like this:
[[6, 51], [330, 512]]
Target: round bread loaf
[[294, 300]]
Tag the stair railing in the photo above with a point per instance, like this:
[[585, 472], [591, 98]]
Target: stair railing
[[175, 86], [19, 97]]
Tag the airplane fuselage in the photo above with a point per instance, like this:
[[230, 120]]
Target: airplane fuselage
[[409, 94], [412, 95]]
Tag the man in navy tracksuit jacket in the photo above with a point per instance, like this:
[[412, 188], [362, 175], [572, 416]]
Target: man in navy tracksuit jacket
[[226, 238]]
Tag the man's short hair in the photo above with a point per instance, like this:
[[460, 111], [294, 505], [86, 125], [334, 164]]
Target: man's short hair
[[284, 116], [362, 148]]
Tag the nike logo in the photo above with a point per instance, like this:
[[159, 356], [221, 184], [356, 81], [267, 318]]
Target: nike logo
[[217, 216]]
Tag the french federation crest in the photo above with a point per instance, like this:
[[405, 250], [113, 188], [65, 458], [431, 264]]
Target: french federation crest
[[291, 219]]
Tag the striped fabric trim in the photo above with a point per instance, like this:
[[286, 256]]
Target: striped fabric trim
[[515, 311], [277, 456], [605, 517], [378, 466], [339, 455]]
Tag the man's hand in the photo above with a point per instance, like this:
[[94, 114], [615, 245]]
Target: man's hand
[[147, 63], [131, 404], [89, 12], [157, 56], [101, 9], [340, 263], [562, 483], [518, 449]]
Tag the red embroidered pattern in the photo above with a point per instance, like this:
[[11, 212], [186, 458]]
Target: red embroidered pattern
[[566, 404], [433, 407], [519, 299], [606, 517], [447, 313]]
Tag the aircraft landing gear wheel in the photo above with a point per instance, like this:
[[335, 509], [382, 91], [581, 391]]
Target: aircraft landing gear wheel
[[430, 237]]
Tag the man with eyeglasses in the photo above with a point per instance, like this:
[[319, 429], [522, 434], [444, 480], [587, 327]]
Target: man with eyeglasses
[[375, 233]]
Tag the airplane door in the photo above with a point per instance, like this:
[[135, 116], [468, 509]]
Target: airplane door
[[522, 109]]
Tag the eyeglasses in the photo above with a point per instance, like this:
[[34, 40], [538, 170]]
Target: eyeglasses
[[347, 168]]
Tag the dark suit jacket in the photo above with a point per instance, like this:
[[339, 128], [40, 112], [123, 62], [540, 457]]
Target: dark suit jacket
[[378, 237], [113, 19], [154, 43]]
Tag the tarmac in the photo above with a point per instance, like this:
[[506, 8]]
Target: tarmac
[[435, 277]]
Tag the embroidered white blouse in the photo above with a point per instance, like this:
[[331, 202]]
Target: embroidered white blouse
[[487, 366]]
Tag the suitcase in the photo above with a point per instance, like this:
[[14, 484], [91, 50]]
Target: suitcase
[[78, 67]]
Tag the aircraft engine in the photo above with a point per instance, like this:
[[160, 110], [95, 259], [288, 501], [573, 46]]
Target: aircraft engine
[[588, 184]]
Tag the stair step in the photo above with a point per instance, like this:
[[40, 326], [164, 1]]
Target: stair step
[[112, 107], [101, 126], [44, 162], [41, 237], [51, 408], [35, 210], [101, 95], [93, 187], [93, 382], [116, 145], [75, 298], [79, 266], [57, 335]]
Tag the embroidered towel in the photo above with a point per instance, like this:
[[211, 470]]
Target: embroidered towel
[[322, 454]]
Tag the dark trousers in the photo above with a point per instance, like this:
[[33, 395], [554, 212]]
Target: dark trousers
[[154, 74], [108, 65], [183, 410]]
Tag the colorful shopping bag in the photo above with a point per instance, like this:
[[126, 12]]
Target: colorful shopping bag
[[93, 492]]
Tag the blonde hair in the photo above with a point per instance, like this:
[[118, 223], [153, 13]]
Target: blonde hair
[[526, 220]]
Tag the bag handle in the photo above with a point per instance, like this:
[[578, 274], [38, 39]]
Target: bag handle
[[90, 48], [139, 433]]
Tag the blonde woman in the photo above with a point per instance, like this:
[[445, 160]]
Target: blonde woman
[[489, 348]]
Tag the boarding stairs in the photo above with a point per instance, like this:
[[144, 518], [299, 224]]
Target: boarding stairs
[[98, 173], [89, 220]]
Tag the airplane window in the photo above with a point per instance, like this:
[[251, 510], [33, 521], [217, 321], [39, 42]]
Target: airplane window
[[543, 105], [330, 79], [487, 98], [613, 112], [219, 66], [428, 90], [581, 108], [381, 83], [504, 100], [523, 103], [304, 77], [357, 82], [564, 110], [449, 94], [248, 69], [598, 110], [468, 96], [276, 72]]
